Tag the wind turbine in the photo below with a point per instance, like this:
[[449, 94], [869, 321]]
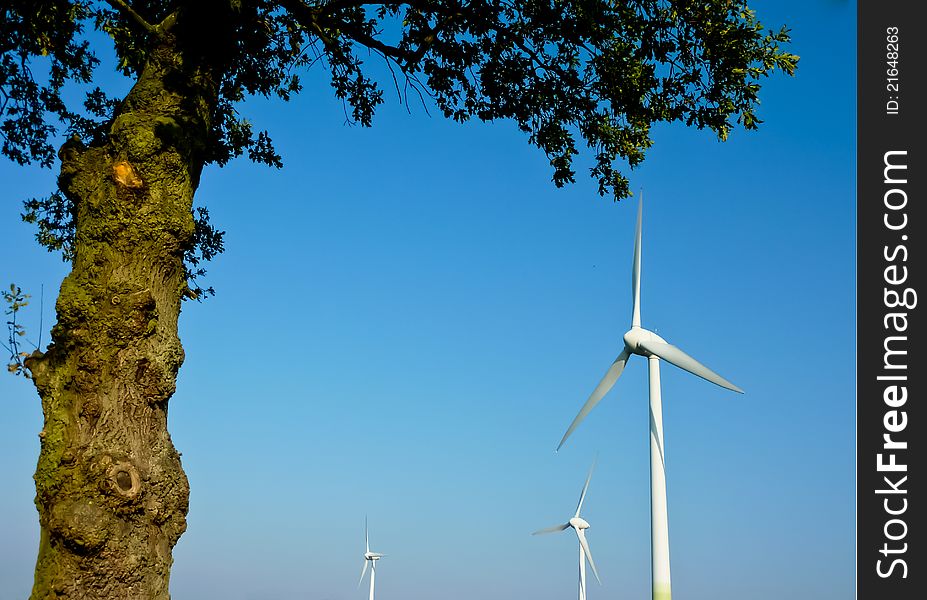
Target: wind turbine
[[647, 343], [370, 559], [579, 525]]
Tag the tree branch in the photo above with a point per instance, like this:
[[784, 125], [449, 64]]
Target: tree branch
[[373, 43], [336, 5], [168, 22], [126, 9], [314, 19]]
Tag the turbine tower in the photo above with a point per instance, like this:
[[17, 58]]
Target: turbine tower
[[579, 525], [648, 344], [370, 559]]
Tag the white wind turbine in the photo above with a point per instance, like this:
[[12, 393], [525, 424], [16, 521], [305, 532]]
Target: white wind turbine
[[647, 343], [370, 560], [580, 526]]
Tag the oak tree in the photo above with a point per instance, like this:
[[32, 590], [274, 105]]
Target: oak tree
[[573, 75]]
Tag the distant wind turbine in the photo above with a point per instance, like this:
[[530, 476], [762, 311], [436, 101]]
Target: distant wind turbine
[[580, 526], [647, 343], [370, 559]]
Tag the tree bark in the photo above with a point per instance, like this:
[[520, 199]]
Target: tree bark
[[110, 489]]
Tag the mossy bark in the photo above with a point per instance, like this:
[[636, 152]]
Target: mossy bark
[[110, 490]]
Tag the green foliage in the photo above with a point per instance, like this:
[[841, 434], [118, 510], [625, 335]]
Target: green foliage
[[16, 301], [207, 243], [44, 34], [53, 215], [570, 74]]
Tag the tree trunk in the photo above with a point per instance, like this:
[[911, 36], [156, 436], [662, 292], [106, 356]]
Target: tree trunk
[[110, 490]]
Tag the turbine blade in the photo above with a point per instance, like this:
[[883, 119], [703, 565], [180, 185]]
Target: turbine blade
[[363, 572], [611, 376], [366, 538], [582, 541], [553, 529], [582, 496], [675, 356], [636, 267]]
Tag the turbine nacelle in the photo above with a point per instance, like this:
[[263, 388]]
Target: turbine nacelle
[[637, 337], [579, 523], [370, 562]]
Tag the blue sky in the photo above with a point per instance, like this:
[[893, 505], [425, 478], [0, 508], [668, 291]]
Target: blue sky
[[408, 317]]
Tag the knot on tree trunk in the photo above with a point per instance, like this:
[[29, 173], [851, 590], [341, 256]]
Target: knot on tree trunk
[[88, 515], [122, 480], [70, 155], [132, 315], [155, 380], [37, 365], [82, 524]]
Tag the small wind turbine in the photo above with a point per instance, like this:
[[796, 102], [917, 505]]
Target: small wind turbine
[[370, 559], [647, 343], [579, 525]]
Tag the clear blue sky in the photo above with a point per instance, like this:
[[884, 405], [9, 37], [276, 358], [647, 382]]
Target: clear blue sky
[[408, 317]]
